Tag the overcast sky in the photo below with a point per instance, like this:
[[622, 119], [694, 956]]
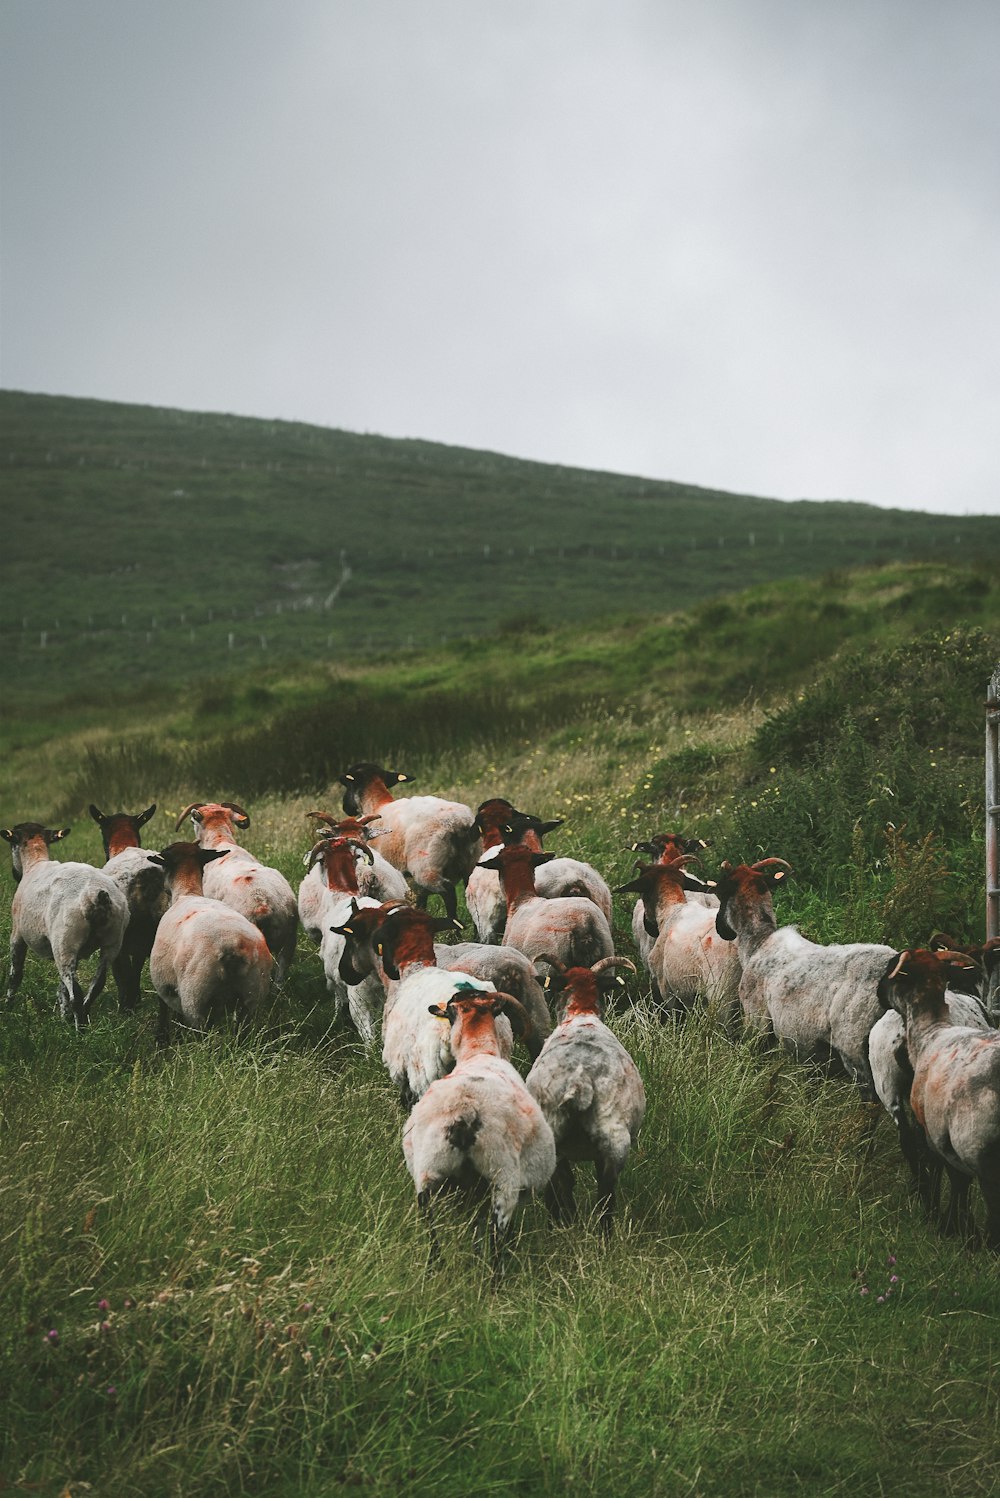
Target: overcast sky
[[751, 244]]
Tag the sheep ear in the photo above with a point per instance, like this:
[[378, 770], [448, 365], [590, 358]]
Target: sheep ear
[[778, 875], [95, 813], [143, 816], [490, 857], [59, 834], [7, 833], [439, 1011]]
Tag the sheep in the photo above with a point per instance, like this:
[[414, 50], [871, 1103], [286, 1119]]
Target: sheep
[[479, 1125], [435, 842], [207, 959], [819, 1001], [510, 972], [415, 1051], [955, 1093], [688, 959], [588, 1088], [63, 911], [141, 882], [560, 878], [483, 894], [377, 879], [892, 1073], [500, 823], [260, 893], [573, 929], [503, 967], [664, 847], [335, 857]]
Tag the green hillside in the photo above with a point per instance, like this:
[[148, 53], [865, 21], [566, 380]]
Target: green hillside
[[145, 546], [213, 1277]]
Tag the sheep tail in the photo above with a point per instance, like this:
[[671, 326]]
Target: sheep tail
[[99, 912], [462, 1133]]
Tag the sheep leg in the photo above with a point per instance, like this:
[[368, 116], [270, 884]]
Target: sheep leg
[[991, 1196], [97, 987], [911, 1143], [559, 1196], [929, 1185], [126, 971], [424, 1202], [18, 952], [505, 1199], [71, 1001], [607, 1178], [958, 1219], [163, 1024]]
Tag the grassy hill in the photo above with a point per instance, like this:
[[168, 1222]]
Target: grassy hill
[[222, 1237], [145, 546]]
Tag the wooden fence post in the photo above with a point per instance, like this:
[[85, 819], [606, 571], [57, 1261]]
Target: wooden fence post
[[993, 805]]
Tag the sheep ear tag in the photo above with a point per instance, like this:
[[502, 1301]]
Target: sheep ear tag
[[778, 874]]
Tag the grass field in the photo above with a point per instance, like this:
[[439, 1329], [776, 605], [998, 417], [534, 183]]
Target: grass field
[[212, 1275]]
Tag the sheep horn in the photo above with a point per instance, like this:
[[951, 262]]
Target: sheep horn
[[553, 962], [604, 963], [515, 1010], [323, 816], [188, 812], [355, 842], [768, 863], [238, 811]]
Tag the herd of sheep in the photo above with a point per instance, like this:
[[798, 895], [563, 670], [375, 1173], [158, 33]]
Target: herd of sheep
[[219, 930]]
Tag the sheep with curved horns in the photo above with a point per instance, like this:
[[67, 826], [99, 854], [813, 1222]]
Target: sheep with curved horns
[[140, 880], [435, 842], [818, 1001], [208, 960], [504, 967], [479, 1126], [573, 930], [398, 942], [256, 890], [955, 1093], [892, 1073], [337, 859], [664, 847], [560, 878], [63, 911], [688, 961], [588, 1087], [377, 879]]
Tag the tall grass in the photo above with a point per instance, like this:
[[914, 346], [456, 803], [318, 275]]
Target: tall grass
[[224, 1241]]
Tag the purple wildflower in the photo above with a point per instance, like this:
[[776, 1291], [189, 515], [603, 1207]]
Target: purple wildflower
[[52, 1337], [104, 1306]]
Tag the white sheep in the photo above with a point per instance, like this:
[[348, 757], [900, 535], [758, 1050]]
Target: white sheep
[[818, 1001], [140, 880], [376, 878], [207, 960], [62, 911], [559, 878], [256, 890], [503, 968], [955, 1092], [479, 1125], [664, 847], [435, 842], [573, 930], [892, 1073], [415, 1050], [688, 960], [588, 1087]]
